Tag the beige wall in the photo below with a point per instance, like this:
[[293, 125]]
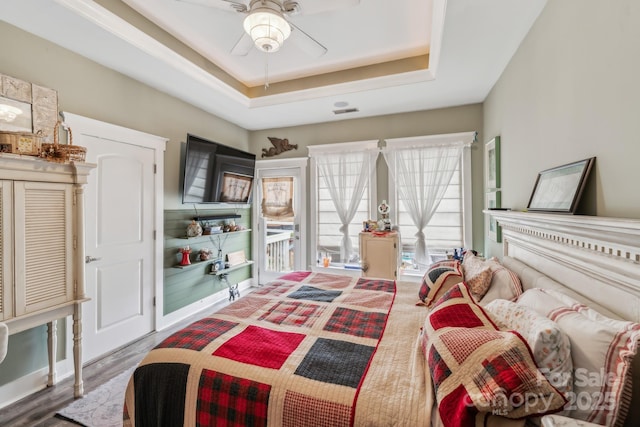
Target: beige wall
[[572, 91], [89, 89], [466, 118]]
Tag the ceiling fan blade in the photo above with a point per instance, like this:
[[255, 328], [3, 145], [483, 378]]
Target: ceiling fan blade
[[243, 46], [310, 7], [228, 5], [306, 42]]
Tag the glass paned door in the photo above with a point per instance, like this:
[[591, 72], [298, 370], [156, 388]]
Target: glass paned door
[[279, 213]]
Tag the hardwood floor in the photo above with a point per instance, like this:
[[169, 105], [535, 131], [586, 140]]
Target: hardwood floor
[[39, 409]]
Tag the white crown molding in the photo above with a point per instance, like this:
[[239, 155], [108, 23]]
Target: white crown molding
[[120, 28]]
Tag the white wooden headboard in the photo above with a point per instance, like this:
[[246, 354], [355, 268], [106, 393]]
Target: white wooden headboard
[[596, 260]]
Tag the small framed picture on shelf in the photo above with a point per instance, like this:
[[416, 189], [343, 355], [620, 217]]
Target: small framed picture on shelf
[[494, 231], [492, 164]]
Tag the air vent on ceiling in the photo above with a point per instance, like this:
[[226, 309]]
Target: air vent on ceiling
[[346, 110]]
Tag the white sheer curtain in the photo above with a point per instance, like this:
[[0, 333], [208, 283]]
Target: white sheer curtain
[[422, 169], [346, 175]]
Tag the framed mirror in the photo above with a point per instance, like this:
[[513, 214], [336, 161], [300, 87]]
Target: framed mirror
[[27, 107]]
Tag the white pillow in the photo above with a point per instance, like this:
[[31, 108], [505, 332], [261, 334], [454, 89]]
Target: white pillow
[[549, 344], [602, 350], [505, 284]]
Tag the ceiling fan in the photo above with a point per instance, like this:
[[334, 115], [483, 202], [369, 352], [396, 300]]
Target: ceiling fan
[[267, 24]]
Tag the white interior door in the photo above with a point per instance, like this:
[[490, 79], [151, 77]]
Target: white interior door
[[280, 217], [119, 237]]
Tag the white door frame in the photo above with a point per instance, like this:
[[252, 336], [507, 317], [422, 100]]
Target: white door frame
[[293, 163], [80, 124]]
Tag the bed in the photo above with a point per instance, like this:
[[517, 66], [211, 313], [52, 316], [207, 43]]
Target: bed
[[314, 349], [300, 351]]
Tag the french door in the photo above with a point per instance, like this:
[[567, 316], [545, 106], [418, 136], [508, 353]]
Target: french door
[[280, 217]]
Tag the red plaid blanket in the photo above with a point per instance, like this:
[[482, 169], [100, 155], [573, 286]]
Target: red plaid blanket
[[300, 351]]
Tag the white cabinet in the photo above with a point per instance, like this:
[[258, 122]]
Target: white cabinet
[[379, 255], [41, 243], [6, 250], [43, 239]]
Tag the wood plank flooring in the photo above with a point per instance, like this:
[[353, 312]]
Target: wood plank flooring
[[39, 409]]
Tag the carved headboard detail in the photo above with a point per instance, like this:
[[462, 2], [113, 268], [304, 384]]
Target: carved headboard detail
[[596, 257], [595, 260]]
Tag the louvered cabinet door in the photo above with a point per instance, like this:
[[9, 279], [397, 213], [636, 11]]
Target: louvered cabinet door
[[6, 250], [44, 245]]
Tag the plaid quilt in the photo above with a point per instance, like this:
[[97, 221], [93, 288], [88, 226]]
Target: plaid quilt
[[308, 349]]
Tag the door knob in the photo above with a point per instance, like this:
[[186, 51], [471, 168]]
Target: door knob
[[89, 259]]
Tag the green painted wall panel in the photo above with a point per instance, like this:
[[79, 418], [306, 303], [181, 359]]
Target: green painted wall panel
[[183, 287]]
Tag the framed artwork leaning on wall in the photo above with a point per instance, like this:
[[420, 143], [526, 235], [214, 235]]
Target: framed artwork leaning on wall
[[559, 189]]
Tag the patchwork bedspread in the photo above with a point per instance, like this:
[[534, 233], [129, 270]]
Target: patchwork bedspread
[[309, 349]]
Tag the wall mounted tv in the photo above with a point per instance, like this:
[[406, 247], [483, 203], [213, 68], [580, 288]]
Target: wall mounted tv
[[216, 173]]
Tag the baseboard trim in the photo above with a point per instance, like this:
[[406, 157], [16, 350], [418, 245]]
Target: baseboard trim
[[31, 383], [199, 306]]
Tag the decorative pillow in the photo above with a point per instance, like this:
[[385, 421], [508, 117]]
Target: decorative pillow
[[477, 369], [505, 284], [550, 345], [438, 279], [602, 350], [477, 274]]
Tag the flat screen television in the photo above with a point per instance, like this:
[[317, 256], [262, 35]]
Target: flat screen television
[[216, 173]]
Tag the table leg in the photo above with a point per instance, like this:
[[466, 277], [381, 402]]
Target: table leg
[[52, 347], [78, 388]]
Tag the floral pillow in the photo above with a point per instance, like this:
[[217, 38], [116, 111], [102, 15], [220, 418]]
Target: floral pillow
[[477, 274], [550, 345], [477, 369], [438, 279]]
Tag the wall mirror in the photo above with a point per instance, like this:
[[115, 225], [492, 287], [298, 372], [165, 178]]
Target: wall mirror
[[27, 107]]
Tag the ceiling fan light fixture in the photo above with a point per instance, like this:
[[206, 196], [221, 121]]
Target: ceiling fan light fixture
[[267, 27]]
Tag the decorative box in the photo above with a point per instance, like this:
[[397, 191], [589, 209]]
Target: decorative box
[[20, 143]]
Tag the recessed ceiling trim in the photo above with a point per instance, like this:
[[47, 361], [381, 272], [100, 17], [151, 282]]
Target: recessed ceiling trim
[[134, 36], [344, 88], [125, 30], [415, 63]]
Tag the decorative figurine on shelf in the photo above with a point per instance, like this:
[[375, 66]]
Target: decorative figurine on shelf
[[383, 209], [194, 229], [186, 251], [205, 254]]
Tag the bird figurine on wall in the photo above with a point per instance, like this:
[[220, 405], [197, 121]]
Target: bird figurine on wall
[[279, 146]]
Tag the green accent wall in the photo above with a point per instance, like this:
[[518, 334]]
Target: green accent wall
[[184, 286]]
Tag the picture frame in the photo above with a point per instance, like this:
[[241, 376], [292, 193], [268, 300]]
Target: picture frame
[[235, 187], [493, 201], [559, 189], [492, 164]]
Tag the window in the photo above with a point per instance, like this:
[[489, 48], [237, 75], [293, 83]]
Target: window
[[430, 191], [343, 185]]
